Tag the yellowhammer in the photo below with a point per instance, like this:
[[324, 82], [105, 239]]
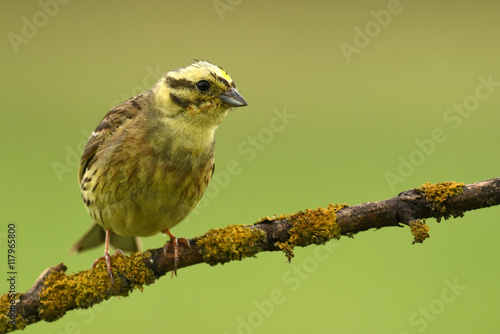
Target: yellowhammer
[[149, 161]]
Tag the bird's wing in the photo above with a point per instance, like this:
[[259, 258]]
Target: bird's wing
[[112, 121]]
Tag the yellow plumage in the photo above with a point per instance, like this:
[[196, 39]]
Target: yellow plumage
[[149, 161]]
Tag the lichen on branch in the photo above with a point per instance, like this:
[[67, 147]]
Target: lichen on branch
[[54, 293]]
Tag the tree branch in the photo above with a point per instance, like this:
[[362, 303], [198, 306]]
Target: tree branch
[[54, 292]]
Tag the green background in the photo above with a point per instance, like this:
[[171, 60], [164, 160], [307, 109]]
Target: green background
[[355, 118]]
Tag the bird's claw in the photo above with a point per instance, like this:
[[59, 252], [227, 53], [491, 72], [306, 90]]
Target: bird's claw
[[174, 243], [107, 258]]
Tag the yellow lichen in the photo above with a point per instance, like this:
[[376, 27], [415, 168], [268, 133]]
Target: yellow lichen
[[81, 290], [311, 227], [286, 248], [419, 230], [234, 242], [6, 322], [438, 193], [267, 218]]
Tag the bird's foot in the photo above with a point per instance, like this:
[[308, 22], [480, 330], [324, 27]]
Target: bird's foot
[[107, 258], [174, 243]]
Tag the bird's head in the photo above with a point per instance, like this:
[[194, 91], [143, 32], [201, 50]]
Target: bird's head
[[200, 93]]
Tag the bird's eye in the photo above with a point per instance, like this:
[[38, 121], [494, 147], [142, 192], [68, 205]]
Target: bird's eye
[[203, 86]]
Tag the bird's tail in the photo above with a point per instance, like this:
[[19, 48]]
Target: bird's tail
[[95, 236]]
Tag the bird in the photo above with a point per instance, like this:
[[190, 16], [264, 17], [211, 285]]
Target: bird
[[147, 164]]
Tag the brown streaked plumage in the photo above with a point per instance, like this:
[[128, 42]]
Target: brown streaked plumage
[[149, 161]]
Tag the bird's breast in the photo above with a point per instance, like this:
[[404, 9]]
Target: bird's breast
[[146, 189]]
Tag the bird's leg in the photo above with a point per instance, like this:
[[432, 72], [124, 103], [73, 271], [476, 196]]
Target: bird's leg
[[173, 240], [175, 244], [107, 257]]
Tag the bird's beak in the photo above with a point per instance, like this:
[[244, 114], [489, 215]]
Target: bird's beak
[[233, 98]]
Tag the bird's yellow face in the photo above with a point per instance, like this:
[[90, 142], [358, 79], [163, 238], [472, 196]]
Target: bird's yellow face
[[200, 93]]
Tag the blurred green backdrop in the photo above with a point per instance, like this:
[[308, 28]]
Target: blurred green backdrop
[[361, 82]]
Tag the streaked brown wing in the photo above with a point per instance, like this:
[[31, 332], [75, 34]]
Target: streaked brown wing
[[112, 121]]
